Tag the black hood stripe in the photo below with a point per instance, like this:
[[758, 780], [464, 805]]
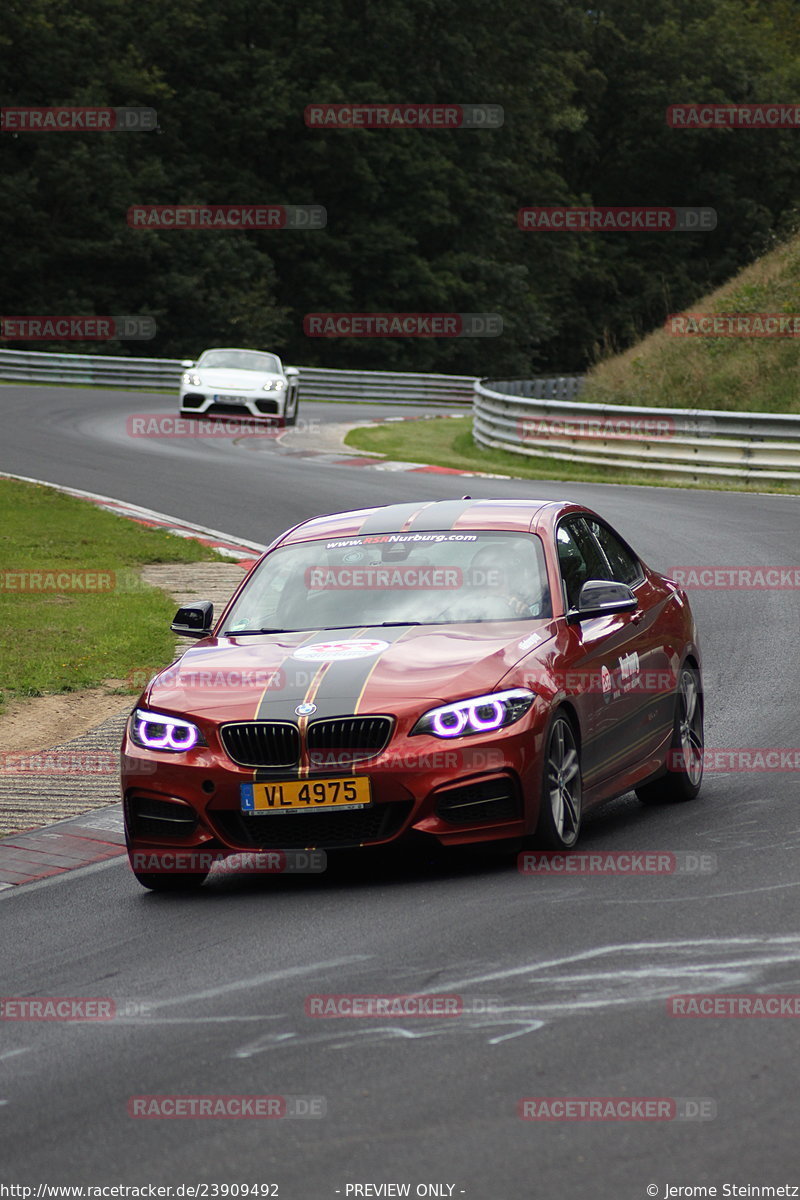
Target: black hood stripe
[[424, 515], [443, 515], [296, 678], [335, 686], [342, 685], [392, 518]]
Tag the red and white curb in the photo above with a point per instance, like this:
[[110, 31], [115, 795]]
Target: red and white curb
[[421, 468], [236, 548], [76, 842], [82, 841]]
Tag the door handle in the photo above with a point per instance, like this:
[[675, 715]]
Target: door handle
[[639, 616]]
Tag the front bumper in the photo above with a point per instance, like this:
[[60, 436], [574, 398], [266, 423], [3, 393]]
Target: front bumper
[[474, 789], [255, 404]]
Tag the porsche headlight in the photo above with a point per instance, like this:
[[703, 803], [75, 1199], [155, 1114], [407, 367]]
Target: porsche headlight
[[274, 385], [155, 731], [192, 380], [480, 714]]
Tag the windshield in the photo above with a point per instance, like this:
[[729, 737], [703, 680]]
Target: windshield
[[241, 360], [405, 578]]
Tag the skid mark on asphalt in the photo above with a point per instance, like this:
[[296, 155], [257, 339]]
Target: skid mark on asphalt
[[749, 891], [144, 1019], [603, 978], [377, 1034], [642, 971], [254, 981]]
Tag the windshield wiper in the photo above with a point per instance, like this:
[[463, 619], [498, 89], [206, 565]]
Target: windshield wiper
[[384, 624], [244, 632]]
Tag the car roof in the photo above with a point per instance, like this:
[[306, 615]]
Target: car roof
[[238, 350], [520, 516]]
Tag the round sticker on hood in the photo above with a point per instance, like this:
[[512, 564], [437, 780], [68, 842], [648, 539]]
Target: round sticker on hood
[[336, 651]]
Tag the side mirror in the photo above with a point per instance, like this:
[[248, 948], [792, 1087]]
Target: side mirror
[[289, 372], [194, 620], [187, 362], [602, 598]]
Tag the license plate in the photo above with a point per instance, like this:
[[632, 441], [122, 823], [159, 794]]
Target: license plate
[[230, 399], [306, 795]]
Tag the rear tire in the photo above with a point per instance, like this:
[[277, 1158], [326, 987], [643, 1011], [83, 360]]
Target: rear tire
[[685, 758], [561, 805]]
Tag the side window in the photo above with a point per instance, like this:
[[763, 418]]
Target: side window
[[624, 566], [578, 558]]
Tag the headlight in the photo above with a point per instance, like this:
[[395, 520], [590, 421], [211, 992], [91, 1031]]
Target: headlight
[[192, 380], [480, 714], [274, 385], [155, 731]]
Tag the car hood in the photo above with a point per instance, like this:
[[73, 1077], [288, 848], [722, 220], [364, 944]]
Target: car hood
[[228, 377], [343, 671]]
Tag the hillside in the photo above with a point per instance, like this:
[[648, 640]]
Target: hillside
[[761, 374]]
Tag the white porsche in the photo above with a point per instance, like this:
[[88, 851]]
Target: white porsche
[[226, 381]]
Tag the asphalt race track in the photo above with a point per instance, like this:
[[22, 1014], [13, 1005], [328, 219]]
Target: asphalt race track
[[567, 977]]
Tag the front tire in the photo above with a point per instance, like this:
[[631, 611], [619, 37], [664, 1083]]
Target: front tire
[[292, 404], [561, 805], [685, 758]]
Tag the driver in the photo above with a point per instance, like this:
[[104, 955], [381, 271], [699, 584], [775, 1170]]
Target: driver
[[509, 575]]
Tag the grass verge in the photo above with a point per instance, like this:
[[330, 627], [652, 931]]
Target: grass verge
[[98, 621], [741, 374], [448, 442]]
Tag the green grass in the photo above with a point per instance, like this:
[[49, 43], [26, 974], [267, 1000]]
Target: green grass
[[62, 641], [757, 374], [448, 442]]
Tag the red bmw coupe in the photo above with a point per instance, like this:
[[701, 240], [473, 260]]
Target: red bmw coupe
[[472, 670]]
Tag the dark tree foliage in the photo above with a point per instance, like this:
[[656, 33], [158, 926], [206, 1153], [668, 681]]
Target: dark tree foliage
[[417, 221]]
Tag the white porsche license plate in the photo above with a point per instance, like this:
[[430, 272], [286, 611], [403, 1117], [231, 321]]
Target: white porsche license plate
[[230, 400]]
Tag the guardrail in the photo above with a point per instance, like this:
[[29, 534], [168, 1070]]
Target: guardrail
[[316, 383], [539, 418], [509, 415]]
